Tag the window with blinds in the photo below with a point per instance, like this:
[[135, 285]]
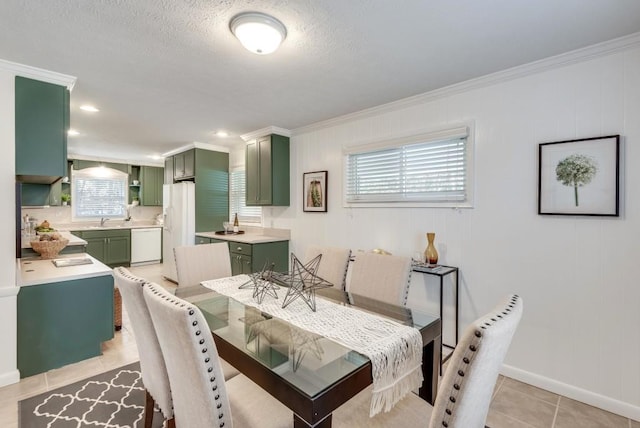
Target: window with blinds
[[99, 192], [427, 168], [237, 198]]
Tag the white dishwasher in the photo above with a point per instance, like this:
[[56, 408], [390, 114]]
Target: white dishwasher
[[146, 245]]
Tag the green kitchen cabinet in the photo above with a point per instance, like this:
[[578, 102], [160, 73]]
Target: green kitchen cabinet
[[200, 240], [209, 171], [249, 258], [63, 322], [111, 246], [267, 171], [184, 165], [41, 125], [151, 181]]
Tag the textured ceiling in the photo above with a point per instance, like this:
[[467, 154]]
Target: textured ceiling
[[169, 72]]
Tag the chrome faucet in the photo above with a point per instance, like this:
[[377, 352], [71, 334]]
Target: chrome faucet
[[103, 220]]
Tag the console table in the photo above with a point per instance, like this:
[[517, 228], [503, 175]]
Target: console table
[[441, 271]]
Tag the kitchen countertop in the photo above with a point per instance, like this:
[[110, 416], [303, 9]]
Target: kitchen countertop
[[73, 240], [247, 238], [38, 271], [120, 224]]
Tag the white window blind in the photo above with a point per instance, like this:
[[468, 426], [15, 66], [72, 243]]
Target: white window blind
[[424, 168], [99, 192], [237, 200]]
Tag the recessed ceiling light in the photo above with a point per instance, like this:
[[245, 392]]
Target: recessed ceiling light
[[258, 32], [72, 132], [222, 134], [155, 157], [89, 108]]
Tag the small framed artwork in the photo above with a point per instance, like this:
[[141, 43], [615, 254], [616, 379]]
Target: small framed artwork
[[579, 177], [314, 196]]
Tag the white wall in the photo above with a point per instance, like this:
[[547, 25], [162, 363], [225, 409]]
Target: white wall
[[8, 290], [580, 335]]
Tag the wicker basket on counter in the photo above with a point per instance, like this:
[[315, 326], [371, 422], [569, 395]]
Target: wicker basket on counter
[[49, 249]]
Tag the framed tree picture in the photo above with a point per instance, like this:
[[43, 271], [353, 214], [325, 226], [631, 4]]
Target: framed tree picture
[[579, 177], [314, 196]]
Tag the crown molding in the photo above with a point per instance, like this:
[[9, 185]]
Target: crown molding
[[266, 131], [554, 62], [196, 145], [38, 74]]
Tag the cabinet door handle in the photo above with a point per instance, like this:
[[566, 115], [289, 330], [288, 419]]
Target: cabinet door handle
[[239, 249]]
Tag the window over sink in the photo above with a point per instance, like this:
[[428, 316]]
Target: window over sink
[[99, 192]]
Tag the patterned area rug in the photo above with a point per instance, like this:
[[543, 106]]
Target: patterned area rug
[[114, 399]]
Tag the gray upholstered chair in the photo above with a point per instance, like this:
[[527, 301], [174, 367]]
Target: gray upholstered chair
[[201, 396], [466, 388], [381, 277], [152, 366], [197, 263], [333, 265]]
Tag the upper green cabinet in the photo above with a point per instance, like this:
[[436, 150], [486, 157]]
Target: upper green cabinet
[[151, 181], [209, 170], [41, 125], [267, 171], [184, 165]]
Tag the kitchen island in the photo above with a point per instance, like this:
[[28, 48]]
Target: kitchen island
[[64, 313], [75, 245], [254, 250]]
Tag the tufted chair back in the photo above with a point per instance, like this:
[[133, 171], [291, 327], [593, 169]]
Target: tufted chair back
[[333, 265], [381, 277], [152, 365], [197, 263], [467, 385], [197, 382]]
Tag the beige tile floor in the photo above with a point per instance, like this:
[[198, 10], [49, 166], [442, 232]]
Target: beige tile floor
[[514, 404]]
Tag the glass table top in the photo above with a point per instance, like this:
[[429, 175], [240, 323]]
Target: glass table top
[[307, 361]]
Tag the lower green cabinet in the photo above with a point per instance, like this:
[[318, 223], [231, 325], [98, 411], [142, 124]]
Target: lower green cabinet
[[111, 247], [250, 258], [63, 322]]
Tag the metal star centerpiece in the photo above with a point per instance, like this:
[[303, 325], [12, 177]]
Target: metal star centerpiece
[[262, 283], [303, 282]]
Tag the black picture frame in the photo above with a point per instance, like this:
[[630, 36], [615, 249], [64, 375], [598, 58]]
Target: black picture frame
[[580, 177], [314, 191]]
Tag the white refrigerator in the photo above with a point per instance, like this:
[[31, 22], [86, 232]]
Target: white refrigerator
[[179, 208]]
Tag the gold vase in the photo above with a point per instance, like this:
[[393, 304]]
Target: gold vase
[[431, 254]]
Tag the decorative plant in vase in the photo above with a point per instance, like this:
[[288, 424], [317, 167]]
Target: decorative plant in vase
[[65, 198]]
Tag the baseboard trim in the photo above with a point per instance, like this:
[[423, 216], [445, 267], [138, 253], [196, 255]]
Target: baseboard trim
[[9, 377], [597, 400]]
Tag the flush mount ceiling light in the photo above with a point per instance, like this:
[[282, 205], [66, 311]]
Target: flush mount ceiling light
[[258, 32]]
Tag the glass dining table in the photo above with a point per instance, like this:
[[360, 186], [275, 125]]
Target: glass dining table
[[308, 373]]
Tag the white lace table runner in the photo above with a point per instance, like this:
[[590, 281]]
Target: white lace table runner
[[395, 350]]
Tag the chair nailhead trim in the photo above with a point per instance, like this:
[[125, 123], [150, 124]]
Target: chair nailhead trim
[[210, 369], [201, 341], [206, 360], [195, 323], [466, 359], [212, 379], [191, 312], [204, 350]]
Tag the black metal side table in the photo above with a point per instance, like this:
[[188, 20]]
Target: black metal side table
[[441, 271]]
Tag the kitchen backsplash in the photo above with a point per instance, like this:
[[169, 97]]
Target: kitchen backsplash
[[62, 215]]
